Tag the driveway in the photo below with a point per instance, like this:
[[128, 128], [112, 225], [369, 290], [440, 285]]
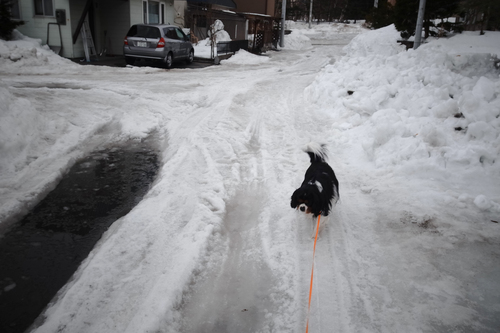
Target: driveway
[[119, 61]]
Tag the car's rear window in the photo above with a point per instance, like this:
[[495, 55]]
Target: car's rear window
[[144, 32]]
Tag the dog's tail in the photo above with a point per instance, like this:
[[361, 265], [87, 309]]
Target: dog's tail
[[317, 151]]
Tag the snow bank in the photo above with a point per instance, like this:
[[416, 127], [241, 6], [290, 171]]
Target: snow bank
[[243, 57], [23, 53], [297, 40], [430, 111], [381, 43], [300, 36]]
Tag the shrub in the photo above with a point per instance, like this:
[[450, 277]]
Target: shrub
[[7, 24]]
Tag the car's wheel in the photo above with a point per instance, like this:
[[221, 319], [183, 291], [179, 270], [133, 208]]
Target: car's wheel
[[130, 61], [190, 57], [168, 61]]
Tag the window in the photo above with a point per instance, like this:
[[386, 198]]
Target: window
[[174, 33], [170, 33], [153, 12], [14, 10], [180, 34], [144, 32], [44, 8]]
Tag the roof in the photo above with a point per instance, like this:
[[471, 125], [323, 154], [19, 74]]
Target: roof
[[224, 3]]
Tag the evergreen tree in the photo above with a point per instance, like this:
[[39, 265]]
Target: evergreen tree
[[481, 14], [381, 16], [405, 17], [406, 13], [358, 9], [6, 22]]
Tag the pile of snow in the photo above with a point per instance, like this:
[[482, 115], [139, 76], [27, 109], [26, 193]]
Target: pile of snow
[[300, 35], [243, 57], [429, 112], [380, 43], [23, 53], [297, 40], [327, 28], [203, 49]]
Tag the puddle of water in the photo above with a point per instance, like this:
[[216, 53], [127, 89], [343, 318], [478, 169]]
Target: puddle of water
[[41, 252]]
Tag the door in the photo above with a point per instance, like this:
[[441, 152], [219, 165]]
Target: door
[[185, 44], [173, 42]]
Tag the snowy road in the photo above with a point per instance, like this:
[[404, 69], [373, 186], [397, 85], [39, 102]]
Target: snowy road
[[215, 247], [242, 126]]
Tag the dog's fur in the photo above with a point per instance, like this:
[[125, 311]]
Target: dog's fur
[[320, 188]]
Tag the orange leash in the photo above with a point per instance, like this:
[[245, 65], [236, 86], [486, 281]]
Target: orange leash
[[312, 274]]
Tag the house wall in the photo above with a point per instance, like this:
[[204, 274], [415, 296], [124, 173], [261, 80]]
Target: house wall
[[36, 26], [110, 22], [136, 12], [180, 7], [136, 15], [170, 12]]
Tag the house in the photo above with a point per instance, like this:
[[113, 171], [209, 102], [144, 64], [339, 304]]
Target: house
[[58, 22], [250, 21]]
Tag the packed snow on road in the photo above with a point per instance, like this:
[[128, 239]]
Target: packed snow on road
[[412, 246]]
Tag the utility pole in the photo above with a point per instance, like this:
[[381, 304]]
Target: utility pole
[[283, 17], [418, 29], [310, 13]]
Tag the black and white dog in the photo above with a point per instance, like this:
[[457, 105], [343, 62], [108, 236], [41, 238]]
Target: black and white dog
[[320, 188]]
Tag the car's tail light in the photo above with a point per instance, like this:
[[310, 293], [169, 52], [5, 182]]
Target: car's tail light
[[161, 43], [125, 41]]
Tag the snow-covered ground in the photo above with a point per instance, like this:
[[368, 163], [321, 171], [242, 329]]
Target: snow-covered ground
[[412, 246]]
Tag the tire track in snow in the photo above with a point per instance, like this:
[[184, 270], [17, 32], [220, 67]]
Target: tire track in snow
[[235, 295], [235, 292]]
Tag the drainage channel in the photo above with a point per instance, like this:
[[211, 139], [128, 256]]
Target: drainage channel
[[41, 252]]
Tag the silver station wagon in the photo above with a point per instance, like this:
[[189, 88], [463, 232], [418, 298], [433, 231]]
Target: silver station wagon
[[166, 43]]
